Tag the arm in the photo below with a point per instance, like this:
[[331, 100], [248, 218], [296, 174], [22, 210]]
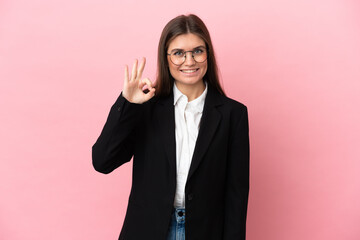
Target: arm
[[115, 145], [237, 187]]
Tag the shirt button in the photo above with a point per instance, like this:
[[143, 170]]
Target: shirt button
[[119, 109]]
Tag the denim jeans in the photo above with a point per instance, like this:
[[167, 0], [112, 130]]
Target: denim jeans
[[177, 225]]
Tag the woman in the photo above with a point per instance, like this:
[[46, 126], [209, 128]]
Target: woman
[[189, 141]]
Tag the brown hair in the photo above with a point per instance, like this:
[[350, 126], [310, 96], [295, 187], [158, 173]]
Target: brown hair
[[177, 26]]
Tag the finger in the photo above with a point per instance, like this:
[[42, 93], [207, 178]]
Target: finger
[[134, 70], [141, 68], [126, 77], [145, 85], [148, 83], [142, 85]]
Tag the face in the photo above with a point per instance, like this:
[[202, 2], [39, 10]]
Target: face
[[189, 73]]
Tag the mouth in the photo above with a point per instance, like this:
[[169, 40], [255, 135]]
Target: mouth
[[189, 70]]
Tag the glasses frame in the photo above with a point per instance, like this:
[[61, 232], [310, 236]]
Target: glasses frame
[[192, 55]]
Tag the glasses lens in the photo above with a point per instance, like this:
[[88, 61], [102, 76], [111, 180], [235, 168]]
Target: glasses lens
[[200, 55], [178, 57]]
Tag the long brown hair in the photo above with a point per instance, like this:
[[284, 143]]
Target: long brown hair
[[181, 25]]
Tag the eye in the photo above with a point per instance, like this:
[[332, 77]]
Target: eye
[[198, 51], [178, 53]]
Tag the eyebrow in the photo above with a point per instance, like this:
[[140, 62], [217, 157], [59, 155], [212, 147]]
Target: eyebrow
[[177, 49]]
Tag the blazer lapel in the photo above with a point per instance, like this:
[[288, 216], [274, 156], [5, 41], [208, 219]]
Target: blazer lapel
[[165, 118], [209, 122]]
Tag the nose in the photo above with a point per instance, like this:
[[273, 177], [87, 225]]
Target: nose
[[189, 60]]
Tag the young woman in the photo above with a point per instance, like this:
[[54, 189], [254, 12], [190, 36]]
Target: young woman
[[189, 143]]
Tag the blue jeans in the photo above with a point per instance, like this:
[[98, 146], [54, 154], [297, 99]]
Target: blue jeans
[[177, 225]]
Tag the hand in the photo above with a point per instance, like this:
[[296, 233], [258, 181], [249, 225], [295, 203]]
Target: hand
[[133, 87]]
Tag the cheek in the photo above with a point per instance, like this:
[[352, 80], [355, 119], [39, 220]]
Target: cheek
[[173, 69], [205, 68]]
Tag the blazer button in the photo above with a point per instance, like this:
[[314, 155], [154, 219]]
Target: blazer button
[[190, 196]]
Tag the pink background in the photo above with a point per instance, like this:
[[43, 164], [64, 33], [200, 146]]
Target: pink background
[[295, 64]]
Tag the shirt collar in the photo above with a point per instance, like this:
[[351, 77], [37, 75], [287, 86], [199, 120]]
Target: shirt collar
[[197, 104], [177, 94]]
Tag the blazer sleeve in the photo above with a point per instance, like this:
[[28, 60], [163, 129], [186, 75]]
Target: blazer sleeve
[[115, 145], [237, 185]]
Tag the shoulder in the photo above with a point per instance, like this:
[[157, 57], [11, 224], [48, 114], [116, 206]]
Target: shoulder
[[232, 106], [235, 114], [232, 103]]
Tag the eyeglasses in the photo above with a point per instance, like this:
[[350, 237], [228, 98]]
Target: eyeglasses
[[178, 56]]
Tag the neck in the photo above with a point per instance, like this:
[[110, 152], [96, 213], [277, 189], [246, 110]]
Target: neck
[[191, 91]]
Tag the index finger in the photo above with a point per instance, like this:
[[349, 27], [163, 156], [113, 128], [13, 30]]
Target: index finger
[[141, 67]]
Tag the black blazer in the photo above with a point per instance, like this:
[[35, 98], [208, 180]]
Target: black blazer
[[218, 181]]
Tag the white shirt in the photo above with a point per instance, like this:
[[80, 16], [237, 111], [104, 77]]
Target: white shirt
[[187, 124]]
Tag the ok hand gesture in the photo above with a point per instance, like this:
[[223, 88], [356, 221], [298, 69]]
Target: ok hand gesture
[[133, 86]]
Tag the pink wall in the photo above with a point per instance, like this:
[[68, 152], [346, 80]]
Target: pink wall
[[295, 64]]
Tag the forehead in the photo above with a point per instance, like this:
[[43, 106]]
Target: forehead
[[186, 41]]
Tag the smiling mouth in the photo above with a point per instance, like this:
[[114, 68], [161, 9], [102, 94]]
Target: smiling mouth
[[189, 70]]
